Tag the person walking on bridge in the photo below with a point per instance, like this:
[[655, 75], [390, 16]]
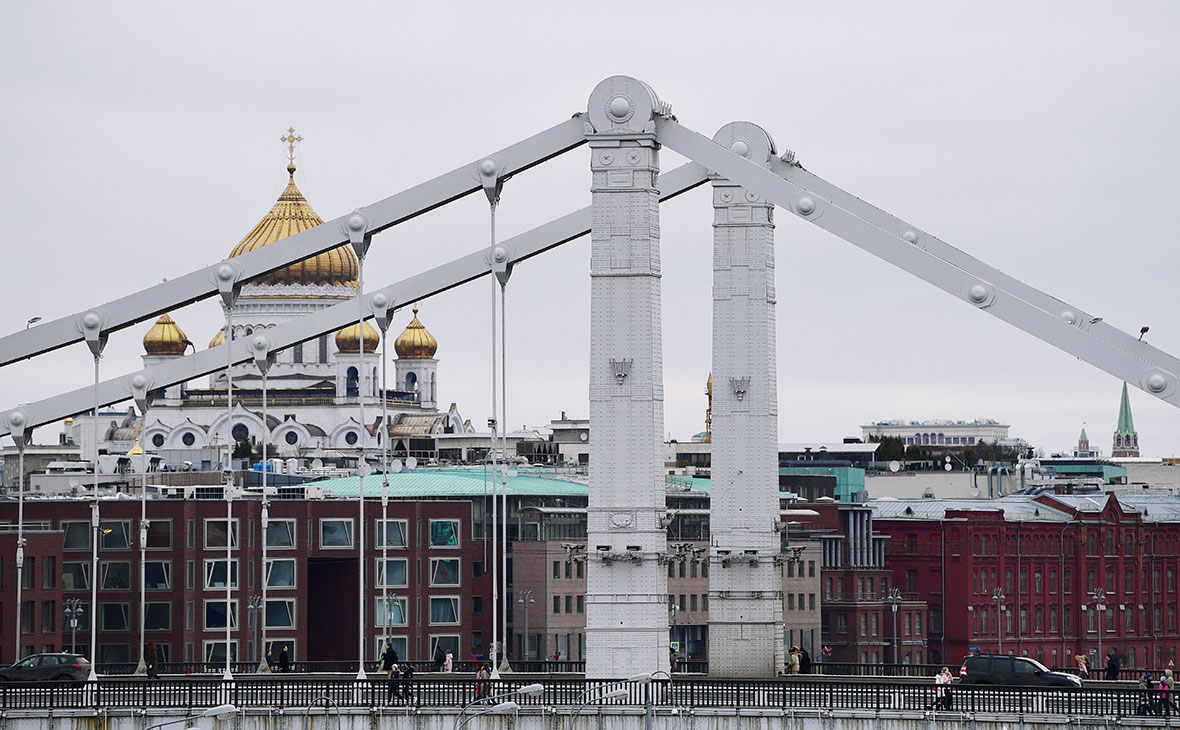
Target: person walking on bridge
[[942, 691], [1112, 666]]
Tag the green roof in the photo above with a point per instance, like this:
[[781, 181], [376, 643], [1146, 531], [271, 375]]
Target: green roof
[[449, 483]]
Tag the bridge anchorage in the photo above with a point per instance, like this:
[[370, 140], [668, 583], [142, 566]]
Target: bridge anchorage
[[625, 127]]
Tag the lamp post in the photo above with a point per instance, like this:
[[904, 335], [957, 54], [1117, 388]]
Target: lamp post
[[1098, 598], [218, 711], [675, 610], [256, 609], [73, 610], [617, 691], [526, 597], [531, 690], [94, 528], [998, 597], [894, 599]]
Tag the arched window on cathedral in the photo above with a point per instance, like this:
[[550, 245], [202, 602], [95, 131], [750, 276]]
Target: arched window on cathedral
[[374, 381], [352, 383], [411, 382], [433, 384]]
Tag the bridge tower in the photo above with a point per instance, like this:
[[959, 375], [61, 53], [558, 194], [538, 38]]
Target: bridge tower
[[745, 582], [626, 586]]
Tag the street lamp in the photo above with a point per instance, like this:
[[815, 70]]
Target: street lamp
[[255, 607], [617, 691], [73, 610], [531, 690], [526, 597], [998, 597], [218, 711], [1098, 598], [894, 599], [675, 610]]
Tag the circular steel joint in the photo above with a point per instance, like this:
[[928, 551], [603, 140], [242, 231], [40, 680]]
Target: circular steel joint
[[622, 104], [17, 419], [261, 343], [488, 167], [1155, 382], [91, 320], [356, 222], [501, 254], [379, 300], [1069, 317], [981, 294], [139, 381], [910, 237], [746, 139], [225, 273], [805, 206]]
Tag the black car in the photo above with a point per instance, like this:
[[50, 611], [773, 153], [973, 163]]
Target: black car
[[1012, 670], [47, 668]]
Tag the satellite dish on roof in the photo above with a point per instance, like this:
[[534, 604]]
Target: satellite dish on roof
[[894, 466], [74, 483], [396, 466], [317, 463], [411, 463]]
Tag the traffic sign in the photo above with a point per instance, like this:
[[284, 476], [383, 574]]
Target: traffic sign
[[674, 645]]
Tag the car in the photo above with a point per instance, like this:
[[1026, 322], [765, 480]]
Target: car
[[47, 668], [1012, 670]]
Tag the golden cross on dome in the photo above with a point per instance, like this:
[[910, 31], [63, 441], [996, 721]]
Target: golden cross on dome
[[290, 138]]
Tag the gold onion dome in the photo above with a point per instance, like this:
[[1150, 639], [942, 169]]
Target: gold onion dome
[[218, 339], [416, 342], [290, 215], [346, 339], [165, 338]]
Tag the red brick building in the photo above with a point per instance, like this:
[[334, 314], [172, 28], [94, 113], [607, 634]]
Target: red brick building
[[1050, 556], [436, 578]]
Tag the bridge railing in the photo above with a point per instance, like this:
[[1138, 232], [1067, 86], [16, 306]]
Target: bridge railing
[[789, 693]]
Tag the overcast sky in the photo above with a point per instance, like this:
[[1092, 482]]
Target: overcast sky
[[141, 140]]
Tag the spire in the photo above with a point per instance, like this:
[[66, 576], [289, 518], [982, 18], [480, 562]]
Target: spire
[[1126, 441]]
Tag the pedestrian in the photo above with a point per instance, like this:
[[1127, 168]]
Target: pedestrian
[[481, 681], [270, 660], [388, 658], [1165, 688], [449, 662], [804, 661], [1147, 701], [1083, 666], [1112, 666], [671, 659], [942, 692], [793, 661], [151, 659], [407, 681], [284, 659], [439, 658]]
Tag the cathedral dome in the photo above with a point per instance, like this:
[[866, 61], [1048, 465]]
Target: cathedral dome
[[416, 342], [292, 214], [346, 339], [165, 338], [218, 339]]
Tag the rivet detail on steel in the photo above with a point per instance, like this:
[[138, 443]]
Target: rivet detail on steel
[[1156, 383], [726, 196], [978, 293], [501, 254], [606, 158], [261, 343], [806, 206], [634, 157], [740, 147], [751, 196], [1069, 317], [380, 301], [138, 381], [356, 222], [91, 320], [225, 272], [620, 108], [16, 419], [487, 168], [910, 237]]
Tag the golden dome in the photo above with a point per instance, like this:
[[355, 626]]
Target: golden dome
[[165, 338], [416, 342], [346, 339], [218, 339], [291, 215]]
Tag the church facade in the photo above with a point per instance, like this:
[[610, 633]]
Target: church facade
[[313, 389]]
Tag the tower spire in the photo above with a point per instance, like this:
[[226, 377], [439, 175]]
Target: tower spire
[[1126, 440]]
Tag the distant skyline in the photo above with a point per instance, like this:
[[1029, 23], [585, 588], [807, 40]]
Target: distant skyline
[[141, 141]]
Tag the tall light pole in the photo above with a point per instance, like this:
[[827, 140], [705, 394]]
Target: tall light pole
[[894, 599], [263, 360], [675, 637], [1098, 598], [257, 610], [73, 610], [526, 597], [998, 597]]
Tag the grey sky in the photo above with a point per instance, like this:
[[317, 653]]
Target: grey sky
[[140, 141]]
